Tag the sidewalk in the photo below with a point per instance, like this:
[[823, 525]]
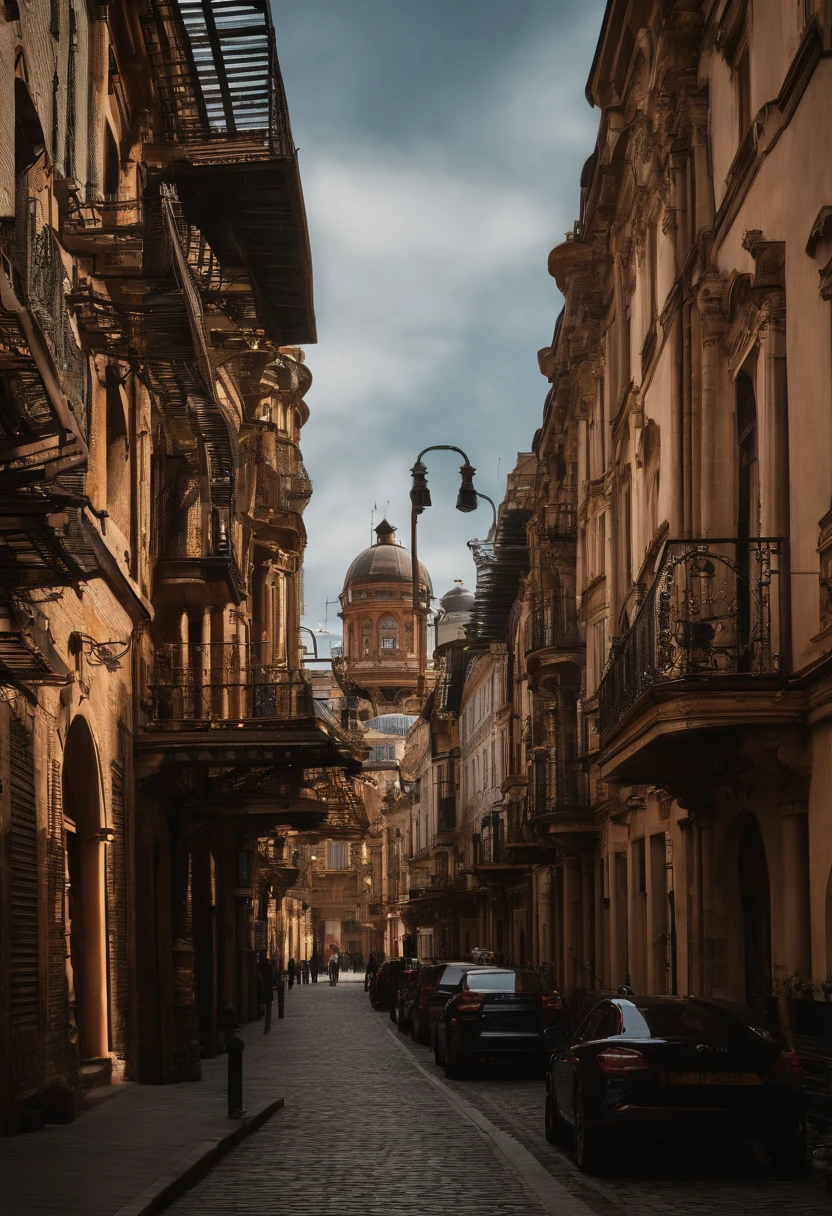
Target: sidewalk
[[138, 1141]]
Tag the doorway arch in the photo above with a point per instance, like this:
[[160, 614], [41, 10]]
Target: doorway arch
[[86, 912], [755, 899]]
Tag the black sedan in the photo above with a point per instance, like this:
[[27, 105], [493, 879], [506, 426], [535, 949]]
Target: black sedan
[[384, 986], [498, 1016], [675, 1069], [425, 997]]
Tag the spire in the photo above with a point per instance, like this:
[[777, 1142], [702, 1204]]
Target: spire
[[385, 533]]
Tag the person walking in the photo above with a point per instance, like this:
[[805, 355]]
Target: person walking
[[313, 968], [372, 968], [333, 970], [291, 970], [304, 969]]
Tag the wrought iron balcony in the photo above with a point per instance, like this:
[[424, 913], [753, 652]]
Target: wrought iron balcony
[[712, 615], [557, 789], [224, 681], [554, 625]]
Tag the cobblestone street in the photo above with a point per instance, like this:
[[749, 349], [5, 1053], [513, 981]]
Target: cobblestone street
[[370, 1126]]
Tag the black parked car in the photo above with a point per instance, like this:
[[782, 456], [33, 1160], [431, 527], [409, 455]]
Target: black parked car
[[676, 1069], [499, 1016], [427, 1002], [385, 985]]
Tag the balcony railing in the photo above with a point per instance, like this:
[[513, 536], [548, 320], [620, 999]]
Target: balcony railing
[[556, 788], [553, 624], [224, 681], [712, 612]]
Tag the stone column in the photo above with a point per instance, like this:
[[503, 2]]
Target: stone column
[[587, 918], [99, 43]]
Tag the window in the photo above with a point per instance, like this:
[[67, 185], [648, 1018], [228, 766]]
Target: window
[[383, 751], [365, 637], [385, 595], [388, 629], [337, 855]]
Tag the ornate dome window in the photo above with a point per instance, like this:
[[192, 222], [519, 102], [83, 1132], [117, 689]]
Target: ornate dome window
[[365, 637], [388, 630]]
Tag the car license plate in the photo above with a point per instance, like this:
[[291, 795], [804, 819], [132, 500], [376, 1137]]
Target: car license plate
[[712, 1078]]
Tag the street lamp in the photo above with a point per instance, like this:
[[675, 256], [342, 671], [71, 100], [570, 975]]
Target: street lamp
[[467, 500]]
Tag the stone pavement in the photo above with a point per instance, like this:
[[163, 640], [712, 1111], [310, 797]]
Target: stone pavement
[[116, 1158], [363, 1131], [370, 1126]]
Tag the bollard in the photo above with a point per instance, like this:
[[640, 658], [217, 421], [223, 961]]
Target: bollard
[[281, 998], [235, 1049]]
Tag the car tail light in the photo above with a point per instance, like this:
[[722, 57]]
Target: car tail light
[[789, 1068], [618, 1061], [552, 1005], [470, 1002]]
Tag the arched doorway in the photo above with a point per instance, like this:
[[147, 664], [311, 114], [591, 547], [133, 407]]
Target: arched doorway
[[755, 899], [86, 912]]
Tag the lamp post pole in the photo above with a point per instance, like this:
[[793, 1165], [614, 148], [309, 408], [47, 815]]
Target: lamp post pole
[[467, 500]]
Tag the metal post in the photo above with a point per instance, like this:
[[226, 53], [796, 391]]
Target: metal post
[[235, 1049], [414, 574]]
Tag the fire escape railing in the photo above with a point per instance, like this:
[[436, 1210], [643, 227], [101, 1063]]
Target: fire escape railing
[[224, 681], [713, 612]]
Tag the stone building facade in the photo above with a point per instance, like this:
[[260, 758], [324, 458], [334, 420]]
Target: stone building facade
[[665, 722], [158, 740]]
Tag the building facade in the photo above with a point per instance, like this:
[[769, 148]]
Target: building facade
[[158, 738], [379, 667]]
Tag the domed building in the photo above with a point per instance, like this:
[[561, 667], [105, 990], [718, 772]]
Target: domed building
[[379, 662], [453, 615]]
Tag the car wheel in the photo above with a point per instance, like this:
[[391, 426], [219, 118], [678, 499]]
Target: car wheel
[[557, 1132], [437, 1056], [588, 1152], [414, 1029], [789, 1157], [394, 1011]]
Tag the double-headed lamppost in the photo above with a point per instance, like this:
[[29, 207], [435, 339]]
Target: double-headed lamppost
[[466, 500]]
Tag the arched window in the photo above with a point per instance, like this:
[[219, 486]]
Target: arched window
[[365, 637], [748, 506], [388, 632]]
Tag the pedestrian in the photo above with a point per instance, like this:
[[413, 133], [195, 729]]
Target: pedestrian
[[304, 967], [333, 970], [313, 968], [265, 975], [372, 968], [291, 970]]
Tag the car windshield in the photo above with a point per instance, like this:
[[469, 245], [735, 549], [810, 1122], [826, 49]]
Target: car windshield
[[690, 1019], [504, 981]]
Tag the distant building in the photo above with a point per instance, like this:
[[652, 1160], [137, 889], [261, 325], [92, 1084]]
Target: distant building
[[384, 634]]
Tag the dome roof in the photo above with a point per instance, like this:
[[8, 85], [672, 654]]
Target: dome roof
[[458, 599], [391, 724], [385, 562]]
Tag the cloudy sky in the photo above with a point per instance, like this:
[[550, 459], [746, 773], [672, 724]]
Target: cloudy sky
[[441, 143]]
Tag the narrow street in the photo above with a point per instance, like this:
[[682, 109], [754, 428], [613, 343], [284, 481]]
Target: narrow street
[[371, 1126]]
